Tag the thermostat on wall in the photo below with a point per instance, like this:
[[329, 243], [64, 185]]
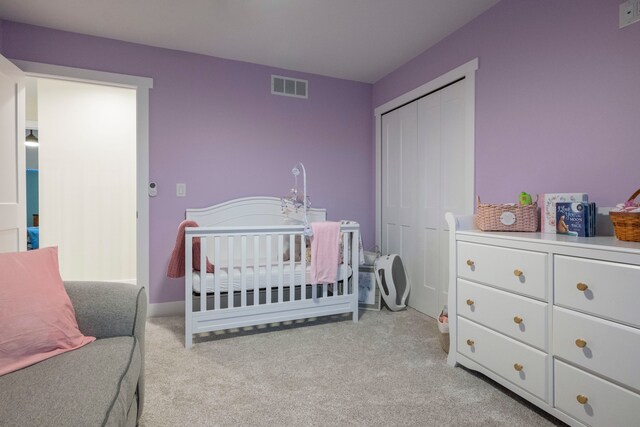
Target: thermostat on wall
[[153, 189]]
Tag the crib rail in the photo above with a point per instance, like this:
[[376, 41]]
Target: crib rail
[[284, 293]]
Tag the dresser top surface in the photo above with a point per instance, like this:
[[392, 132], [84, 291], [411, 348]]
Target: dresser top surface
[[598, 242]]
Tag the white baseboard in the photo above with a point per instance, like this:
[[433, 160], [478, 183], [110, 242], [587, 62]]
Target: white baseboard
[[173, 308]]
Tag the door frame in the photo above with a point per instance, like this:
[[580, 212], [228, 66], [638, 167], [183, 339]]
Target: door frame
[[466, 71], [142, 85]]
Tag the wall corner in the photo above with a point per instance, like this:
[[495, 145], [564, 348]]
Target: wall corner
[[1, 34]]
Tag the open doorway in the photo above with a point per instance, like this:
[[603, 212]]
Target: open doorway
[[81, 176]]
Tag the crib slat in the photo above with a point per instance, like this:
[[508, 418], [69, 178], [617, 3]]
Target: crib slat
[[216, 276], [280, 265], [256, 270], [243, 272], [203, 274], [325, 291], [303, 267], [355, 264], [269, 262], [345, 261], [230, 272], [292, 267], [188, 292]]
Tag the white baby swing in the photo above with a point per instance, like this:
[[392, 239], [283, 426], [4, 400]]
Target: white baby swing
[[392, 281]]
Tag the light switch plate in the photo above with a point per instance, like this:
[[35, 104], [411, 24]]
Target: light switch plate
[[181, 190]]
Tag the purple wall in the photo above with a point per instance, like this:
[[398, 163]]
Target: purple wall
[[557, 103], [215, 126], [557, 97]]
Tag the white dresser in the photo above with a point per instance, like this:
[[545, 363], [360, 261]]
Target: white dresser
[[554, 318]]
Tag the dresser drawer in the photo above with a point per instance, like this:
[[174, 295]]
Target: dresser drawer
[[522, 318], [606, 289], [514, 270], [610, 349], [606, 405], [504, 356]]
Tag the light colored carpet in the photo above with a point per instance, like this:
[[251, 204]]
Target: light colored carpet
[[388, 369]]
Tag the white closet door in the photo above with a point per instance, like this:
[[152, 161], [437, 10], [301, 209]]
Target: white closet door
[[441, 136], [425, 290], [455, 175], [424, 175], [400, 183]]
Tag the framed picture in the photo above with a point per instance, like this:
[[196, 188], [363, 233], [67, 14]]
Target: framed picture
[[368, 292]]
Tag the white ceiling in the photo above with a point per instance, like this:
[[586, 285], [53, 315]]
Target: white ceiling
[[360, 40]]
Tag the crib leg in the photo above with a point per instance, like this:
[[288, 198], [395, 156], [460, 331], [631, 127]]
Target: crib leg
[[188, 335], [355, 314]]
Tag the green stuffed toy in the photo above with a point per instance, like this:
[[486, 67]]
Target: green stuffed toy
[[525, 199]]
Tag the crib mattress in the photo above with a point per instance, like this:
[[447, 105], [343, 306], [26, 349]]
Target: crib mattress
[[344, 272]]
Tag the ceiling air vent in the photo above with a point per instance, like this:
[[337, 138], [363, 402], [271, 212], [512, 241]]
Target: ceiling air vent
[[286, 86]]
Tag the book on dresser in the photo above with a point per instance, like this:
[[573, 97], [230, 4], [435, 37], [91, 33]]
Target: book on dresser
[[576, 218], [548, 209]]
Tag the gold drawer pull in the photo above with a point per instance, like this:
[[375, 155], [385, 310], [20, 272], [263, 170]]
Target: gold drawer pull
[[517, 272], [581, 343], [470, 343], [470, 263], [518, 367], [582, 399], [517, 319], [470, 302], [582, 286]]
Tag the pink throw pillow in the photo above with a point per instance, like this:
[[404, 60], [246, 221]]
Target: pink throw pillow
[[37, 318]]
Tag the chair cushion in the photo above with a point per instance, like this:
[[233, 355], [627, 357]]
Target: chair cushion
[[36, 314], [93, 385]]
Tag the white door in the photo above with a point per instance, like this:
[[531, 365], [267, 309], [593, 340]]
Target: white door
[[13, 214], [424, 175], [400, 185]]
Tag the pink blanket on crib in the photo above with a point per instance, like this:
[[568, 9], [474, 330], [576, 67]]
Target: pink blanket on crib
[[176, 262], [325, 246]]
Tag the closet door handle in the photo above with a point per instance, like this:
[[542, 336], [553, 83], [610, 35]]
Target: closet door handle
[[518, 367], [517, 272], [470, 342], [470, 263], [582, 287], [470, 302], [517, 319]]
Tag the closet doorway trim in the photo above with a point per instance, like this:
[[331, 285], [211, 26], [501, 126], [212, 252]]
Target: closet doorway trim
[[466, 71]]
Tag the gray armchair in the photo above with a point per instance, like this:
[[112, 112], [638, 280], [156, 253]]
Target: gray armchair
[[101, 383]]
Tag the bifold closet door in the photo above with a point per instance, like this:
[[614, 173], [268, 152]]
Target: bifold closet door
[[441, 141], [400, 185], [423, 176]]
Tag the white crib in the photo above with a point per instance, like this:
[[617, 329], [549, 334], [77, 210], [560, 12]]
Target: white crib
[[253, 283]]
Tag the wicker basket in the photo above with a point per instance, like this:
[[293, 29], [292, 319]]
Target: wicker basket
[[627, 224], [491, 217]]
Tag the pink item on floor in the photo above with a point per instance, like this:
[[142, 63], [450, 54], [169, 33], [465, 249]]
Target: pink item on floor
[[176, 263], [325, 246]]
